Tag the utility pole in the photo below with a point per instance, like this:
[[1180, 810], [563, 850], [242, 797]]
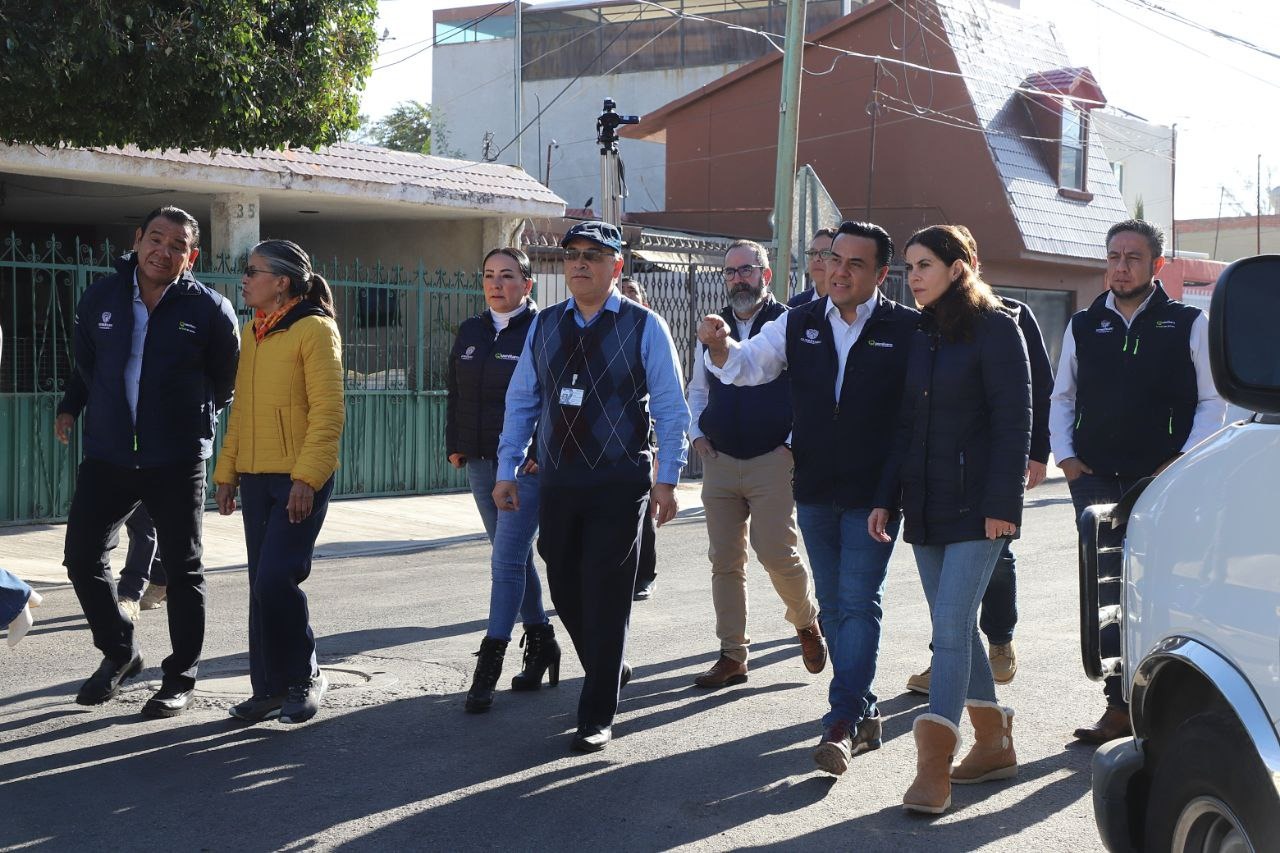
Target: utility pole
[[518, 81], [550, 145], [1173, 189], [612, 189], [874, 109], [1257, 219], [788, 139]]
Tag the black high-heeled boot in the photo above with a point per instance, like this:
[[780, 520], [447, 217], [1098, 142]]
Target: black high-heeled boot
[[488, 671], [541, 654]]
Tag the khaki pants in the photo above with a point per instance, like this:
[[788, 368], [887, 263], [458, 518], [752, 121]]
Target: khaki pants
[[757, 491]]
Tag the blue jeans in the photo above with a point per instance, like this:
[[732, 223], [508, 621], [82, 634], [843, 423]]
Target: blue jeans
[[515, 587], [954, 578], [848, 576], [14, 593]]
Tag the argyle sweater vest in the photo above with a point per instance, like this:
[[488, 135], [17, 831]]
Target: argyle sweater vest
[[594, 424]]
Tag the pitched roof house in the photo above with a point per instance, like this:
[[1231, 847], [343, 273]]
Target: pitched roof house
[[980, 119]]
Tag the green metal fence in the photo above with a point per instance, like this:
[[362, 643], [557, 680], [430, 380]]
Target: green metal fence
[[397, 328]]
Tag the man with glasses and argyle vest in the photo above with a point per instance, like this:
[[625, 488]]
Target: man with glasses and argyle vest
[[595, 369]]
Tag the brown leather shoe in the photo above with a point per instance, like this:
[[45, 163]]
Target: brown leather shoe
[[1114, 724], [726, 672], [813, 648]]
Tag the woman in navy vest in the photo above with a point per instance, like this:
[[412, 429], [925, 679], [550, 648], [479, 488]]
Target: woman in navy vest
[[956, 469], [484, 356]]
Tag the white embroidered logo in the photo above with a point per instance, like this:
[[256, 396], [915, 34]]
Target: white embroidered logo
[[106, 321]]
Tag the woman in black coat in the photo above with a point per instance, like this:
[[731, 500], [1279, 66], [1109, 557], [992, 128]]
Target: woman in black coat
[[483, 360], [957, 470]]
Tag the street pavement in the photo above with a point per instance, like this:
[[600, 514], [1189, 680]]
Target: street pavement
[[393, 763]]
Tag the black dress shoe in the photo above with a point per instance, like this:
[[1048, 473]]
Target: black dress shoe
[[592, 738], [105, 683], [169, 701], [626, 675]]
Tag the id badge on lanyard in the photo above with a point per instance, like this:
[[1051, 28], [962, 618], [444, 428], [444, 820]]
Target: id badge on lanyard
[[571, 395]]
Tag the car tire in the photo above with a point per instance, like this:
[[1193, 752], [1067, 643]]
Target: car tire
[[1210, 789]]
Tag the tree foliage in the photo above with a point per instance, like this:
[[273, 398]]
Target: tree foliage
[[410, 126], [238, 74]]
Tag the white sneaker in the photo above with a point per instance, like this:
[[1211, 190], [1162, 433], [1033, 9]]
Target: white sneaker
[[20, 625], [131, 609]]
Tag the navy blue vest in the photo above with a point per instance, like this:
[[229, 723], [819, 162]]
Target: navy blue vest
[[1136, 390], [605, 438], [840, 445], [748, 421]]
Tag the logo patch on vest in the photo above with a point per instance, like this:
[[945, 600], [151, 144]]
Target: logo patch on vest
[[1166, 324], [186, 327], [506, 356], [810, 336], [469, 354], [105, 323], [880, 344], [1104, 326]]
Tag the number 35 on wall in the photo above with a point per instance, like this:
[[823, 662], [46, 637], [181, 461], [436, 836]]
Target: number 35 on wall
[[244, 211]]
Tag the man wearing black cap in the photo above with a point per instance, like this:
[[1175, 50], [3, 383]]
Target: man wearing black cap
[[594, 370]]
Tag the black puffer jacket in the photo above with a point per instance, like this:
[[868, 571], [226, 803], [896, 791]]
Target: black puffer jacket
[[960, 450], [480, 369]]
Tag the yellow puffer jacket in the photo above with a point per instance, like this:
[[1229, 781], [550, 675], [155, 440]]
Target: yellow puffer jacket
[[288, 411]]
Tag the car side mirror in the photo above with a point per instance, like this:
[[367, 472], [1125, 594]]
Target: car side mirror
[[1244, 342]]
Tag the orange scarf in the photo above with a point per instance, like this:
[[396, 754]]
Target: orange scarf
[[264, 322]]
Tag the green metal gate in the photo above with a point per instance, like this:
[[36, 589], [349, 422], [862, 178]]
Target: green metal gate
[[397, 327]]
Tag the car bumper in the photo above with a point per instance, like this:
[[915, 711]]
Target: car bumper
[[1114, 766]]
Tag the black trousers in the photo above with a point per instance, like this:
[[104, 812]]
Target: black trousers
[[648, 570], [1087, 490], [590, 541], [174, 496]]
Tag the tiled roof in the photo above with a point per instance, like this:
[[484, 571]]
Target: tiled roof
[[457, 180], [997, 48]]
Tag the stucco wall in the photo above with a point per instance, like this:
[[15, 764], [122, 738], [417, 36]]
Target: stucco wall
[[1143, 150], [472, 93]]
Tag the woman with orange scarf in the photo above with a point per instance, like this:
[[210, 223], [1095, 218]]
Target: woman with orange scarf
[[281, 449]]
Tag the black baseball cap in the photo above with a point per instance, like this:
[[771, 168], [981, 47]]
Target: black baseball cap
[[601, 233]]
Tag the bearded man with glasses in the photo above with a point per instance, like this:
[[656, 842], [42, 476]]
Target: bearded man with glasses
[[594, 370], [846, 357], [743, 435]]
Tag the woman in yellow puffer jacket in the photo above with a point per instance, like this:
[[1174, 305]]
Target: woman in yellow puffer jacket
[[281, 449]]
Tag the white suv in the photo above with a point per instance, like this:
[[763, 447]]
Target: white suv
[[1197, 551]]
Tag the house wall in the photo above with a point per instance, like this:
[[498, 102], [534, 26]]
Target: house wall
[[472, 93], [721, 149], [1229, 239], [1143, 151]]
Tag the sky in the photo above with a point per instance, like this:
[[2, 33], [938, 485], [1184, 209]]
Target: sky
[[1221, 94]]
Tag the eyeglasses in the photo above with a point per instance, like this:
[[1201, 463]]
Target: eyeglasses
[[744, 270], [816, 253], [591, 256], [252, 271]]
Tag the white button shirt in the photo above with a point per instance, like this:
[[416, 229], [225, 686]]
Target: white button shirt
[[762, 358], [1211, 409]]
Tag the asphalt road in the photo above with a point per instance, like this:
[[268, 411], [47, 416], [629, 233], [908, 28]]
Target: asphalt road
[[393, 763]]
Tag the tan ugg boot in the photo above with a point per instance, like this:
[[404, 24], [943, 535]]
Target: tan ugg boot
[[937, 740], [992, 755]]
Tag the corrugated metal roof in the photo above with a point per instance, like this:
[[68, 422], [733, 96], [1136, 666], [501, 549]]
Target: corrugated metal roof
[[350, 161], [997, 48]]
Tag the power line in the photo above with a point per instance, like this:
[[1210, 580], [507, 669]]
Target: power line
[[435, 40], [1204, 28]]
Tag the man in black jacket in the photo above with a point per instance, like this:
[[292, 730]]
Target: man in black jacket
[[1133, 392], [846, 356], [170, 344]]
